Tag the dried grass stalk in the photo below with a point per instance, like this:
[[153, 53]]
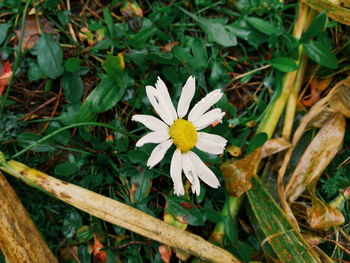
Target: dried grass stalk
[[20, 241]]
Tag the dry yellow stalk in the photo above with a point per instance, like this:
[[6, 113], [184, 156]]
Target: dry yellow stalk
[[119, 214], [20, 241]]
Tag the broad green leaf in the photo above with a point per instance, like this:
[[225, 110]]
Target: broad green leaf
[[216, 31], [140, 186], [321, 54], [66, 169], [183, 55], [25, 139], [242, 29], [108, 92], [113, 64], [83, 254], [283, 64], [263, 26], [34, 72], [211, 215], [184, 210], [49, 55], [317, 26], [51, 3], [109, 21], [72, 86], [138, 156], [72, 64], [71, 223], [287, 242], [200, 54], [141, 37], [64, 16], [3, 31], [257, 141], [84, 114]]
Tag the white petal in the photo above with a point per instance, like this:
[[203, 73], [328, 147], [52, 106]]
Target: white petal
[[158, 103], [175, 173], [203, 172], [168, 104], [196, 187], [150, 122], [153, 137], [190, 173], [210, 143], [208, 118], [187, 94], [158, 153], [204, 105]]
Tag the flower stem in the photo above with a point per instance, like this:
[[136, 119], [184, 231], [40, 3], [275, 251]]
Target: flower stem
[[75, 125]]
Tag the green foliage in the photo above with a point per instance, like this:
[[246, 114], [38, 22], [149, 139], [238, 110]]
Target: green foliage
[[336, 182], [49, 56], [99, 74]]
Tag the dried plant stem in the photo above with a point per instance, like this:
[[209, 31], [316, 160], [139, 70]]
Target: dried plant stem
[[20, 241], [119, 214], [274, 111], [293, 99]]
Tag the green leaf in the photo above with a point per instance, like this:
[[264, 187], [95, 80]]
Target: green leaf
[[141, 37], [283, 64], [72, 86], [216, 31], [287, 242], [231, 230], [25, 139], [211, 215], [257, 141], [113, 64], [34, 72], [317, 26], [83, 254], [72, 64], [138, 156], [200, 54], [49, 55], [109, 21], [107, 94], [183, 55], [241, 29], [263, 26], [141, 184], [64, 16], [71, 223], [84, 114], [65, 169], [184, 210], [321, 54], [3, 31]]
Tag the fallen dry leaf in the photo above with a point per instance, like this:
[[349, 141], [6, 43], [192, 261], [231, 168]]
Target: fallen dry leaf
[[98, 252], [238, 174], [131, 9], [316, 87], [338, 10], [169, 47], [32, 31], [317, 156], [165, 252], [322, 215]]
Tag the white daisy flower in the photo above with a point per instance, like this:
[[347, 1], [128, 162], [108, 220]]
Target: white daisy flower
[[184, 134]]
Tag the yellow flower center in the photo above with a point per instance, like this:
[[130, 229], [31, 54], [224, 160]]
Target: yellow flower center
[[183, 134]]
